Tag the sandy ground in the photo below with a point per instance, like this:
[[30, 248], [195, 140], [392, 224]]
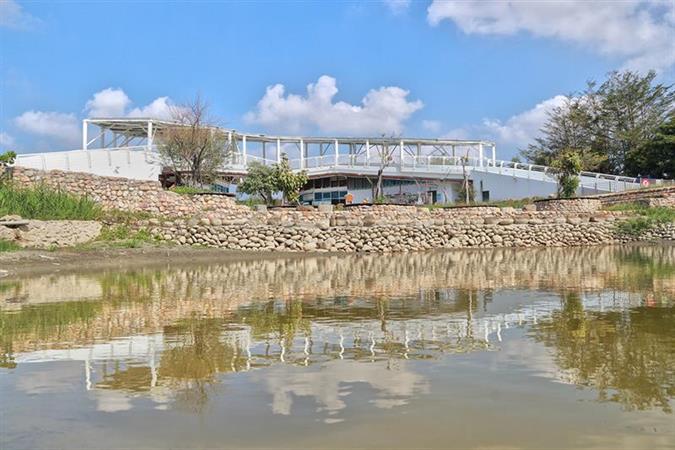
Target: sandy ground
[[34, 262]]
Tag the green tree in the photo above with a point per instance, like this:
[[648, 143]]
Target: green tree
[[656, 158], [289, 182], [567, 166], [260, 181], [608, 125]]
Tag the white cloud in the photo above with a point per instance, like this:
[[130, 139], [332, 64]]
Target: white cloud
[[14, 17], [642, 32], [159, 108], [397, 6], [108, 103], [432, 126], [6, 140], [514, 133], [382, 111], [521, 129], [60, 126]]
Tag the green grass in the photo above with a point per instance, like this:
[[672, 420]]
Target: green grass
[[8, 246], [644, 217], [44, 203], [187, 190], [121, 236]]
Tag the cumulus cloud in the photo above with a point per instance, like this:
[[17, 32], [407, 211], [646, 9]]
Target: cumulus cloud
[[382, 111], [397, 6], [13, 16], [63, 127], [639, 31], [159, 108], [6, 140], [108, 103], [521, 129], [514, 133]]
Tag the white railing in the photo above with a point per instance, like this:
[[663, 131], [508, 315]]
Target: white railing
[[136, 162]]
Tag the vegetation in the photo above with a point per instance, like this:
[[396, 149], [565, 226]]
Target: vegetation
[[260, 182], [8, 246], [122, 236], [644, 219], [263, 181], [622, 126], [193, 145], [567, 166], [186, 190], [44, 203]]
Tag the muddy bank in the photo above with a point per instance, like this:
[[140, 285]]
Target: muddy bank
[[28, 262]]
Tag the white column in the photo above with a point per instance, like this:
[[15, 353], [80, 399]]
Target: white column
[[494, 154], [367, 151], [480, 155], [400, 155], [278, 150], [150, 136], [302, 154], [337, 151], [243, 147], [85, 140]]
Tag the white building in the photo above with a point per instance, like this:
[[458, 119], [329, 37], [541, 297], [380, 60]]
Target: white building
[[413, 170]]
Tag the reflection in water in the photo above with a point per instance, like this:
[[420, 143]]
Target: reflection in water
[[326, 328]]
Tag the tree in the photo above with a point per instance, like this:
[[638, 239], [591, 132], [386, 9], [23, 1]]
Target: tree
[[259, 181], [6, 159], [386, 154], [193, 145], [608, 125], [265, 180], [288, 182], [567, 166], [466, 193], [656, 158]]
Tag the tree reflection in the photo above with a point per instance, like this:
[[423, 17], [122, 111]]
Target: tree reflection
[[627, 356]]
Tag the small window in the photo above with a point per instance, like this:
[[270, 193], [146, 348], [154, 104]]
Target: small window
[[486, 196]]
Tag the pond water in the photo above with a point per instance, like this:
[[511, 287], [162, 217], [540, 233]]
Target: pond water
[[541, 348]]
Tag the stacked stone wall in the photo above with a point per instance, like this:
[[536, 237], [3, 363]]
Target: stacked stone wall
[[131, 195], [664, 196]]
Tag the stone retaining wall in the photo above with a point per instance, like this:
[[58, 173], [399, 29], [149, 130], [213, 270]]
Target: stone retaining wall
[[51, 233], [130, 195], [571, 205], [664, 196], [560, 232]]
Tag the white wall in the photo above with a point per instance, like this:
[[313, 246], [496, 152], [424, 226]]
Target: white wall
[[134, 164], [505, 187]]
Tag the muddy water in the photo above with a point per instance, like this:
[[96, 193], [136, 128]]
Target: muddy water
[[553, 348]]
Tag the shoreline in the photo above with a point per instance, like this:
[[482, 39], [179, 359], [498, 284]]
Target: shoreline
[[33, 262]]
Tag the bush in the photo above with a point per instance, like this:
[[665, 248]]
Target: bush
[[44, 203]]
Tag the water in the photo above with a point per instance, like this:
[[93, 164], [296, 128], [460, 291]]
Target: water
[[553, 348]]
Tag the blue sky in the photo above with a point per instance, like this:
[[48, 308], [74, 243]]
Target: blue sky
[[486, 70]]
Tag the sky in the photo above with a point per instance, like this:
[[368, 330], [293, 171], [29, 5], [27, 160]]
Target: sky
[[468, 70]]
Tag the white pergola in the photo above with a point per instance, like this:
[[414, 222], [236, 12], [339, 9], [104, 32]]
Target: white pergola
[[141, 132]]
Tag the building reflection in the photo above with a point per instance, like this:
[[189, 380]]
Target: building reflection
[[308, 327]]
